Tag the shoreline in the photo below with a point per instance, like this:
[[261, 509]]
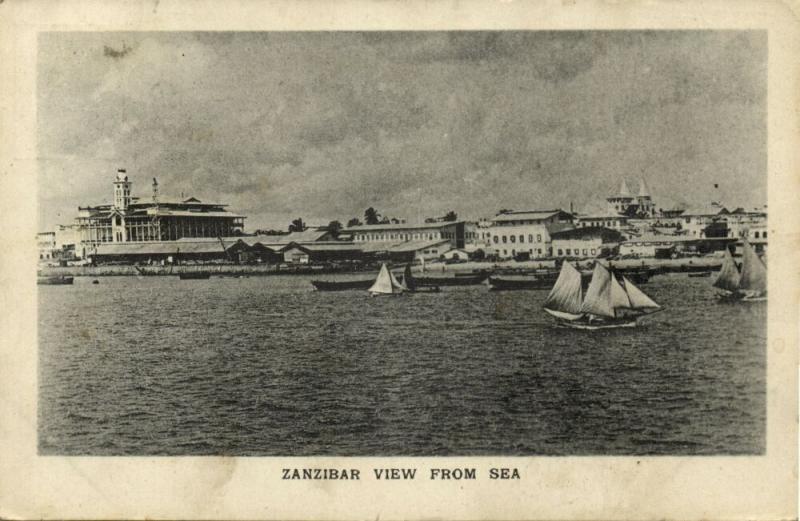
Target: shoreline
[[511, 266]]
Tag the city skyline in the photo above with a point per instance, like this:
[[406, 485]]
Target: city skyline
[[324, 125]]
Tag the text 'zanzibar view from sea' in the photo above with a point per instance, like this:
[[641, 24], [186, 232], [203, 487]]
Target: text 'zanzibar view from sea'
[[383, 244]]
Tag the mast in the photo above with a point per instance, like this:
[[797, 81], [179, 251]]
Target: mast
[[408, 279], [728, 278]]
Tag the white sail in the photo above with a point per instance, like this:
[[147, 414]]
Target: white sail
[[618, 295], [567, 294], [598, 295], [754, 273], [638, 299], [728, 278], [383, 284], [396, 284]]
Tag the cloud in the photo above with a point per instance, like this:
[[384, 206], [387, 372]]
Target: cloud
[[323, 125]]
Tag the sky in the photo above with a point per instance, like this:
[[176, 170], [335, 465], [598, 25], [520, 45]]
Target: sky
[[322, 125]]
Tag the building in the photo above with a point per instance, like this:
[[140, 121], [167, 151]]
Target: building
[[585, 242], [607, 220], [452, 231], [477, 235], [624, 203], [320, 252], [665, 246], [129, 219], [526, 232], [46, 242]]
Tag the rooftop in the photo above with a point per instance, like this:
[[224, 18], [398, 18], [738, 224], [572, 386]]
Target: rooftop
[[530, 215], [605, 234], [402, 226]]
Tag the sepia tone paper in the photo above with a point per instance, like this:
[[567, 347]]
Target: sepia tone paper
[[217, 487]]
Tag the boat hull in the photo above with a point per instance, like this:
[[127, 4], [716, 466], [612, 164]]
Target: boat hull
[[460, 280], [503, 284], [194, 275], [342, 285]]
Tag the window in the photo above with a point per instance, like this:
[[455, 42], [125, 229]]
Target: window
[[505, 252], [568, 251], [560, 252], [505, 239], [538, 237], [495, 239], [756, 235], [530, 238], [513, 238], [521, 238], [539, 251], [764, 235], [584, 251]]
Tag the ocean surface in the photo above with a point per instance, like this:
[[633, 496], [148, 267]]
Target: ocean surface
[[265, 366]]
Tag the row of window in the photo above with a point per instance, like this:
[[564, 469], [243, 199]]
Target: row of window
[[402, 236], [513, 238]]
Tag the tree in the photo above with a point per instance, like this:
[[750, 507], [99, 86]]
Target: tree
[[450, 216], [371, 216], [334, 226], [297, 225], [353, 222]]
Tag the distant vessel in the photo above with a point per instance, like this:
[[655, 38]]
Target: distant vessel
[[749, 284], [57, 280], [386, 284], [608, 303]]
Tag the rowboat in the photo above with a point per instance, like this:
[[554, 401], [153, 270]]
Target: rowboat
[[57, 280]]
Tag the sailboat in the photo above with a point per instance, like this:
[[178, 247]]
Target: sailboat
[[749, 284], [386, 284], [608, 303]]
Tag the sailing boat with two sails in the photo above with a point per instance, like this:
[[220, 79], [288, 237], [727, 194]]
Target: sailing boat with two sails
[[386, 284], [747, 285], [608, 303]]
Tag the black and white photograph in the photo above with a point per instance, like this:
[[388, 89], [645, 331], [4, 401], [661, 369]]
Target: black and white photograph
[[402, 243], [399, 260]]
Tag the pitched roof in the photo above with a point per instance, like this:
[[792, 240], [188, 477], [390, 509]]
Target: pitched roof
[[711, 209], [402, 247], [162, 248], [530, 215], [604, 234]]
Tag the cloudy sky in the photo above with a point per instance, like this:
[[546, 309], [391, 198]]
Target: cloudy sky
[[324, 125]]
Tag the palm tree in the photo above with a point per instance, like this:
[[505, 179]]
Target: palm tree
[[371, 216], [297, 225]]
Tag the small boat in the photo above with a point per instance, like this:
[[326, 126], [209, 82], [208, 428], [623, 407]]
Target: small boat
[[608, 303], [341, 285], [748, 284], [194, 275], [411, 283], [95, 281], [386, 284], [58, 280], [699, 274]]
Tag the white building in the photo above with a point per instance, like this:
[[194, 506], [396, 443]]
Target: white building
[[453, 231], [526, 232]]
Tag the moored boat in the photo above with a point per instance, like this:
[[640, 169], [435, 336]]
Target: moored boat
[[411, 283], [57, 280], [341, 285], [508, 283], [457, 280], [608, 302], [194, 275]]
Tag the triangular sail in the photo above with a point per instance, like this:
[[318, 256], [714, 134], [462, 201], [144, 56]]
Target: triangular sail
[[598, 295], [619, 298], [728, 278], [754, 272], [566, 294], [383, 284], [638, 299], [396, 284]]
